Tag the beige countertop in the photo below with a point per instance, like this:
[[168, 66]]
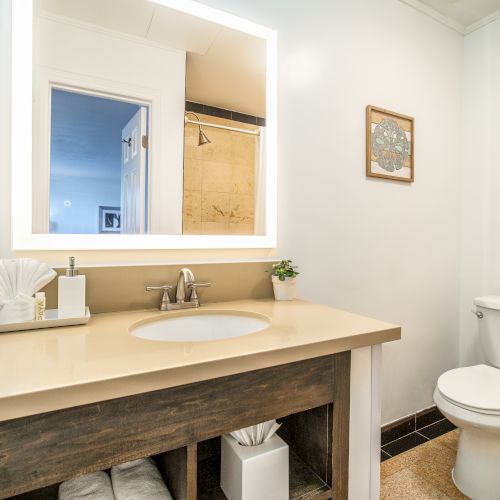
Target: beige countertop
[[51, 369]]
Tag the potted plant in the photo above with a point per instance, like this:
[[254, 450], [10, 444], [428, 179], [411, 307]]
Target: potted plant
[[284, 278]]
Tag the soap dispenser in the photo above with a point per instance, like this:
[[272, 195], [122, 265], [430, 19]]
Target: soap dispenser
[[71, 293]]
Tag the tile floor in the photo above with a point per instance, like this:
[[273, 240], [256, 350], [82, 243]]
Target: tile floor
[[420, 435], [423, 472]]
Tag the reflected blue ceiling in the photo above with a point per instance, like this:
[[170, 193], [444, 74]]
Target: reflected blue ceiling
[[86, 134]]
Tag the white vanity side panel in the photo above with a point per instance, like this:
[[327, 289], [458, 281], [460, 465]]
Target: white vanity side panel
[[364, 432], [376, 421], [155, 71]]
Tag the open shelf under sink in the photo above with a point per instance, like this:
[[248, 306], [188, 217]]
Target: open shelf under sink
[[305, 484]]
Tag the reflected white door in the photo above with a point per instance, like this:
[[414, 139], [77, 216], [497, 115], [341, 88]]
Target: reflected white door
[[133, 187]]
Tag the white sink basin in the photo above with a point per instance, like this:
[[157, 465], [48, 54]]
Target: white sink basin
[[201, 326]]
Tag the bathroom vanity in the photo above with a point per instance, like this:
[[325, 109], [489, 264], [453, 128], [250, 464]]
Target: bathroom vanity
[[83, 399]]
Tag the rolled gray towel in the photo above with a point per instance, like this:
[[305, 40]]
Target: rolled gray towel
[[95, 486], [139, 480]]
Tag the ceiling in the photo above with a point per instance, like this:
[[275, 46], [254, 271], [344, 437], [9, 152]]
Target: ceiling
[[464, 12], [225, 68]]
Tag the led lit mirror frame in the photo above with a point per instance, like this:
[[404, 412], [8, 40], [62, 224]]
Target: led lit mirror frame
[[23, 237]]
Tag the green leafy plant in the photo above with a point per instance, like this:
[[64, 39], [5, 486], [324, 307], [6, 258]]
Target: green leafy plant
[[284, 269]]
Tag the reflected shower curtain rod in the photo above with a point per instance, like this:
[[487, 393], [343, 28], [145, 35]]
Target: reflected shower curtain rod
[[224, 127]]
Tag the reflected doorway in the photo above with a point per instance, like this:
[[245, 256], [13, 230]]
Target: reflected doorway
[[98, 164]]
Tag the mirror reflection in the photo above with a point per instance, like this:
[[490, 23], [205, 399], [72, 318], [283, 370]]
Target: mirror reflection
[[146, 120]]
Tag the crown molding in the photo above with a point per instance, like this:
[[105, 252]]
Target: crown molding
[[437, 16], [482, 22]]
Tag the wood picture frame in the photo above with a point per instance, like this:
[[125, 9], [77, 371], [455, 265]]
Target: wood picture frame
[[390, 145]]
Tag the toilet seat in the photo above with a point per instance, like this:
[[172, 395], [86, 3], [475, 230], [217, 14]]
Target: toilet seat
[[474, 388]]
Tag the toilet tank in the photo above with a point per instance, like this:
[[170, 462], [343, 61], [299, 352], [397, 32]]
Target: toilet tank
[[488, 312]]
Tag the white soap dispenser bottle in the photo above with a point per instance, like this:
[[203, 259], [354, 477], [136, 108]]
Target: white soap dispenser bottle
[[71, 293]]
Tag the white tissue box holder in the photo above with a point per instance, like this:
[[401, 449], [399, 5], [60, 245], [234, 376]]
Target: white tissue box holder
[[254, 472]]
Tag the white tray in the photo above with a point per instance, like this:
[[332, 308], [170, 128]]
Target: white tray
[[51, 320]]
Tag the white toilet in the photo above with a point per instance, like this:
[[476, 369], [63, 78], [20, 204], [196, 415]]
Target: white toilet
[[470, 398]]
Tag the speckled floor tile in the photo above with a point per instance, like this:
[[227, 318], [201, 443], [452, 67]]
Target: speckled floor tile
[[437, 470], [407, 485], [426, 451], [391, 466], [431, 463], [450, 439]]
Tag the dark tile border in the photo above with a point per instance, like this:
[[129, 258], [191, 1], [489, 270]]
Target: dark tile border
[[427, 417], [197, 107], [413, 430], [437, 429], [398, 429], [404, 444]]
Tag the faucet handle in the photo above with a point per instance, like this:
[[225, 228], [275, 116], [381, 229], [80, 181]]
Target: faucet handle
[[162, 287], [165, 300], [193, 286]]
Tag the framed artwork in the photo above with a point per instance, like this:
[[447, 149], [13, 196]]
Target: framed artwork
[[390, 143], [109, 220]]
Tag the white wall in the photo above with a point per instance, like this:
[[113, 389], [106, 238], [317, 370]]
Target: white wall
[[5, 47], [480, 270], [385, 249], [67, 52], [380, 248]]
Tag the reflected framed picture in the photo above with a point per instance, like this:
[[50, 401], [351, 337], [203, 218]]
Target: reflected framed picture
[[109, 220], [390, 145]]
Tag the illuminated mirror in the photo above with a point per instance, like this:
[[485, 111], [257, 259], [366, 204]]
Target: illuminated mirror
[[153, 126]]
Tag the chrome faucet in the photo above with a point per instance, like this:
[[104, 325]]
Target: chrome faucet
[[185, 281], [185, 277]]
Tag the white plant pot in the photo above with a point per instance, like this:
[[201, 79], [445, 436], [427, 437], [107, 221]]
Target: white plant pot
[[254, 472], [284, 290]]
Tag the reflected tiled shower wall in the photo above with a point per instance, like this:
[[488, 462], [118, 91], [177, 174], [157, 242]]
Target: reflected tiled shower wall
[[219, 178]]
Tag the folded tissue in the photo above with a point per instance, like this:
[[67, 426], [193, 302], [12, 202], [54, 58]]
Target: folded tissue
[[20, 279], [256, 434], [255, 464]]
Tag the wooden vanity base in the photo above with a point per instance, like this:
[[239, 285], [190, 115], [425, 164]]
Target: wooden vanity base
[[178, 426]]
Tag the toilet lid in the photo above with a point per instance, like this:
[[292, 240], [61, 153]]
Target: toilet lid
[[488, 301], [474, 387]]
